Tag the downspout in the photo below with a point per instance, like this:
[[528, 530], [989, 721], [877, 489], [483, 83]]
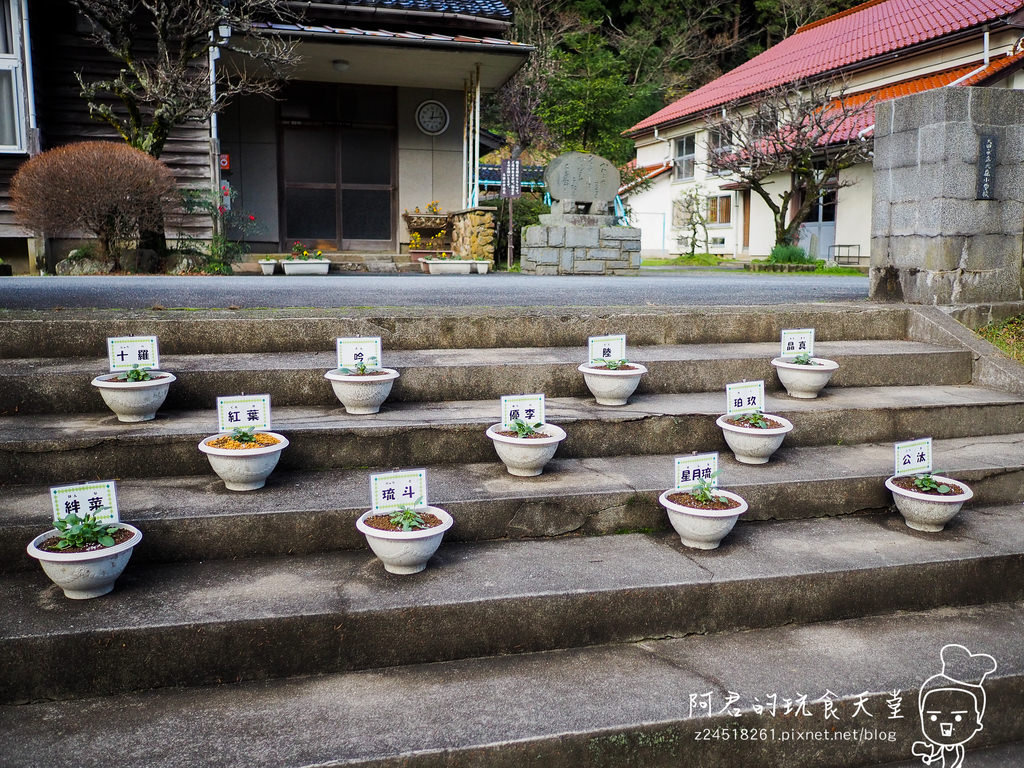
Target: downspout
[[476, 144], [980, 69], [214, 135], [30, 89], [465, 143]]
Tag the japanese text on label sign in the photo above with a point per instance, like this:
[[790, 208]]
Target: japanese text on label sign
[[914, 457], [607, 347], [797, 341], [98, 499], [744, 397], [365, 350], [529, 408], [692, 469], [390, 491], [243, 411], [127, 351]]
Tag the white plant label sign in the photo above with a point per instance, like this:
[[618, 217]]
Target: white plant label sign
[[97, 498], [126, 351], [243, 411], [607, 347], [691, 469], [360, 349], [914, 457], [744, 397], [390, 491], [529, 408], [797, 341]]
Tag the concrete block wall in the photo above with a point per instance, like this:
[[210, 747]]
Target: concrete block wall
[[932, 242], [571, 250]]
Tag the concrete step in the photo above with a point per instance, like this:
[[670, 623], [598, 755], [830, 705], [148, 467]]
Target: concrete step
[[1002, 756], [224, 620], [606, 706], [195, 518], [76, 333], [48, 449], [55, 385]]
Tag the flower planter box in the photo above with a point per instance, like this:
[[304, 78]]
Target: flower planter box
[[306, 267], [268, 266], [526, 456], [244, 469], [702, 528], [362, 394], [425, 220], [929, 512], [134, 401], [405, 552], [612, 387], [752, 445], [449, 266], [805, 381], [83, 575]]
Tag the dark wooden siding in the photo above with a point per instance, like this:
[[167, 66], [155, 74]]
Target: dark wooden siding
[[8, 165]]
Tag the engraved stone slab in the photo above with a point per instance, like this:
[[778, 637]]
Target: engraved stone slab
[[582, 178]]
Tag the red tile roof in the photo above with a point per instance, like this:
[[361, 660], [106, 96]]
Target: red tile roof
[[868, 30]]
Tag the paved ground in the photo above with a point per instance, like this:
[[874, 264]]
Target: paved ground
[[698, 288]]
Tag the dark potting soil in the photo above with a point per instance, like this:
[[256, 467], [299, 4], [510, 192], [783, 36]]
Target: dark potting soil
[[120, 536], [368, 373], [907, 484], [772, 423], [620, 368], [383, 522], [261, 440], [513, 433], [687, 500]]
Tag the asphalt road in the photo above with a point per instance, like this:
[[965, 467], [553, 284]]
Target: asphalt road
[[248, 292]]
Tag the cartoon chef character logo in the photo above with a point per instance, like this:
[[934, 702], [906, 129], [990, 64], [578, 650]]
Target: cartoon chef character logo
[[952, 705]]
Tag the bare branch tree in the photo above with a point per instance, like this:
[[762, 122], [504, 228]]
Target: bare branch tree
[[162, 47], [805, 133]]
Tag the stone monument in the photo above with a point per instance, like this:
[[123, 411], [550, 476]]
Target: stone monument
[[947, 223], [579, 236]]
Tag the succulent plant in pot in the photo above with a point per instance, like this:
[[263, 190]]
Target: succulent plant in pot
[[83, 555], [926, 501], [405, 538], [611, 382], [135, 394], [702, 515], [362, 388], [244, 458], [754, 436], [804, 376], [525, 448]]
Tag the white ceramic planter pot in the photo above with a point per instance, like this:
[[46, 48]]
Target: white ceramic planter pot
[[308, 267], [526, 456], [482, 266], [805, 381], [268, 265], [927, 511], [702, 528], [751, 445], [449, 266], [85, 574], [134, 400], [405, 552], [362, 394], [611, 387], [244, 469]]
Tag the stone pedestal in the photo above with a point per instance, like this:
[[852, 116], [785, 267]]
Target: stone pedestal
[[933, 241], [473, 233], [566, 248]]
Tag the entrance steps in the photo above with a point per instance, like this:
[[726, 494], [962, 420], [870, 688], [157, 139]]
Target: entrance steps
[[561, 623]]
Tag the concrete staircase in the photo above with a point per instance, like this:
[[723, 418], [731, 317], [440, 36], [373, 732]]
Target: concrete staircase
[[561, 623]]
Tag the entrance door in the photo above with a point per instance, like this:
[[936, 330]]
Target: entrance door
[[338, 157], [818, 233]]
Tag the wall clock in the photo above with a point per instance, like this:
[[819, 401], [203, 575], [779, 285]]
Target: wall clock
[[432, 117]]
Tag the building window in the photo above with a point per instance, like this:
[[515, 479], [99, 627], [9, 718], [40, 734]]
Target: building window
[[719, 210], [686, 157], [12, 131]]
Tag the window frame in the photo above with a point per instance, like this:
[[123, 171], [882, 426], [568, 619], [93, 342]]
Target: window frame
[[681, 157], [14, 63], [716, 222]]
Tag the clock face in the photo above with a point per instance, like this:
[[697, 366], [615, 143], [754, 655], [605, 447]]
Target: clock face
[[432, 117]]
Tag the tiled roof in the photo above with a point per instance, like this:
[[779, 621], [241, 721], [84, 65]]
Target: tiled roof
[[868, 30], [994, 68], [322, 30], [487, 9]]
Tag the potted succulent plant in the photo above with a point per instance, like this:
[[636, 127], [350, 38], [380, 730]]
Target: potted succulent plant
[[525, 449], [362, 388], [136, 394], [406, 538], [926, 501], [754, 437], [303, 261], [84, 556], [243, 459], [611, 382], [804, 376], [703, 515]]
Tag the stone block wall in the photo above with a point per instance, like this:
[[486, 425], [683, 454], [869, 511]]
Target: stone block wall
[[473, 233], [572, 250], [932, 242]]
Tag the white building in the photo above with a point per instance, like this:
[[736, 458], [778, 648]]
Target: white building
[[882, 49]]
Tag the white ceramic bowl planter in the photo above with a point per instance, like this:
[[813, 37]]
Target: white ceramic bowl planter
[[612, 386], [362, 394], [929, 511], [526, 456], [752, 445], [268, 266], [805, 381], [702, 528], [244, 469], [134, 400], [306, 267], [405, 552], [85, 574]]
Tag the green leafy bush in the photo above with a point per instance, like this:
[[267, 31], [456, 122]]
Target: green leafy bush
[[78, 532], [784, 253]]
